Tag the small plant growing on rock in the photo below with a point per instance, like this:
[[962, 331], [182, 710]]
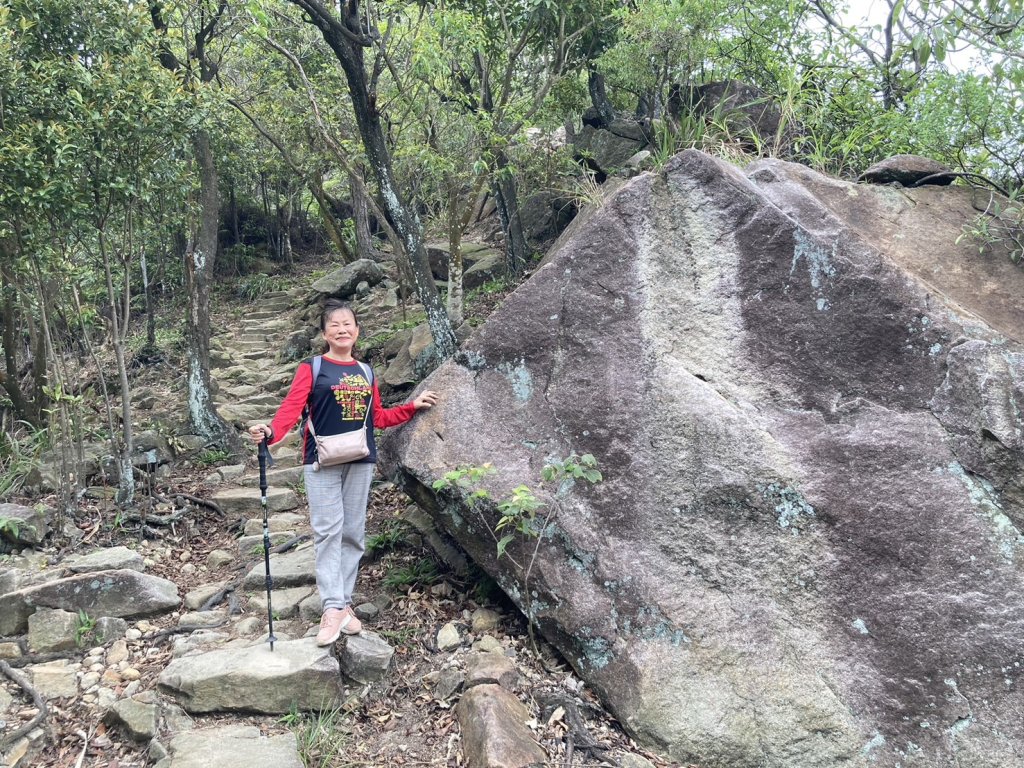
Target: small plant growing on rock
[[999, 226], [84, 627], [519, 510]]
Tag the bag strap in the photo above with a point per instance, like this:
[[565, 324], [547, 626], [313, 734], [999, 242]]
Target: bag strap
[[367, 372]]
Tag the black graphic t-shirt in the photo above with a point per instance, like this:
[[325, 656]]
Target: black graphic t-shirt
[[340, 396]]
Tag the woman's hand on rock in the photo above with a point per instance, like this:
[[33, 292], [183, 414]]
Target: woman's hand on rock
[[426, 399]]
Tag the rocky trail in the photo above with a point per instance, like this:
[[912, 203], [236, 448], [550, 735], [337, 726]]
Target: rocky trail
[[153, 651]]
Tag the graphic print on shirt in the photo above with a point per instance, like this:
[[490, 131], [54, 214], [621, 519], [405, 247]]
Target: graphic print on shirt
[[352, 394]]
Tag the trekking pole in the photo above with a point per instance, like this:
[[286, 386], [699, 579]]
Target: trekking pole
[[264, 456]]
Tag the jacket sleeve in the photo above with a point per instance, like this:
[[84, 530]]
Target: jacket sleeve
[[389, 417], [290, 410]]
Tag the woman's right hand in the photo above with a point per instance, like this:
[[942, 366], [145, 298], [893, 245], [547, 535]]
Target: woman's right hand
[[259, 431]]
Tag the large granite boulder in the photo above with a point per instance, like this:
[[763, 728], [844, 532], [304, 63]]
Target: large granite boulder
[[806, 400]]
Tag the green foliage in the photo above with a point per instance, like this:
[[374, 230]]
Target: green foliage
[[999, 227], [421, 572], [10, 527], [387, 539], [256, 286], [518, 511], [20, 454], [322, 736], [212, 456], [84, 627]]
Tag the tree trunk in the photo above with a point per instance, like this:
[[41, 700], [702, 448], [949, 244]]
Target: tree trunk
[[123, 451], [199, 263], [598, 97], [148, 297], [365, 246], [316, 188], [455, 307], [235, 234], [9, 379], [506, 198], [286, 228], [345, 37]]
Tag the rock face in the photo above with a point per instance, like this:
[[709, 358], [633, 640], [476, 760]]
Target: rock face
[[806, 547]]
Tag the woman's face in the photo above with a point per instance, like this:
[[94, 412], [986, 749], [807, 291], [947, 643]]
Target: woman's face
[[341, 331]]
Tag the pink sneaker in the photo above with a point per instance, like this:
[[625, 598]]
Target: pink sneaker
[[330, 626], [350, 625]]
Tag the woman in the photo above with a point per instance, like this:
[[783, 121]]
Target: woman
[[338, 401]]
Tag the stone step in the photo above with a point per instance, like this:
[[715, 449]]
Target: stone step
[[283, 521], [264, 399], [247, 500], [245, 414], [286, 453], [276, 477], [231, 745], [235, 392], [289, 569], [252, 546], [285, 601], [296, 673]]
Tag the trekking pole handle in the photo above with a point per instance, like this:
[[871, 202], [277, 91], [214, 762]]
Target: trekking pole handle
[[264, 455]]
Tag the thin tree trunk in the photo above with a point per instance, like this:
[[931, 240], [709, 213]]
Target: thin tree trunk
[[235, 234], [286, 230], [455, 308], [123, 451], [148, 297], [199, 262], [10, 379], [598, 97], [517, 251], [361, 218]]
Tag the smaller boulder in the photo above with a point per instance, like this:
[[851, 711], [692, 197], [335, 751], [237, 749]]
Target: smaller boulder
[[494, 730], [136, 718], [366, 657], [26, 526], [908, 170], [52, 630], [343, 282]]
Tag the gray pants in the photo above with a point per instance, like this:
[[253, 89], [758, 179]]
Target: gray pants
[[337, 512]]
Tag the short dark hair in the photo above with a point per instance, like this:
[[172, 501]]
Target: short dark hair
[[333, 305]]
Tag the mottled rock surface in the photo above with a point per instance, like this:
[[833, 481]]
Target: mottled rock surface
[[806, 547]]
